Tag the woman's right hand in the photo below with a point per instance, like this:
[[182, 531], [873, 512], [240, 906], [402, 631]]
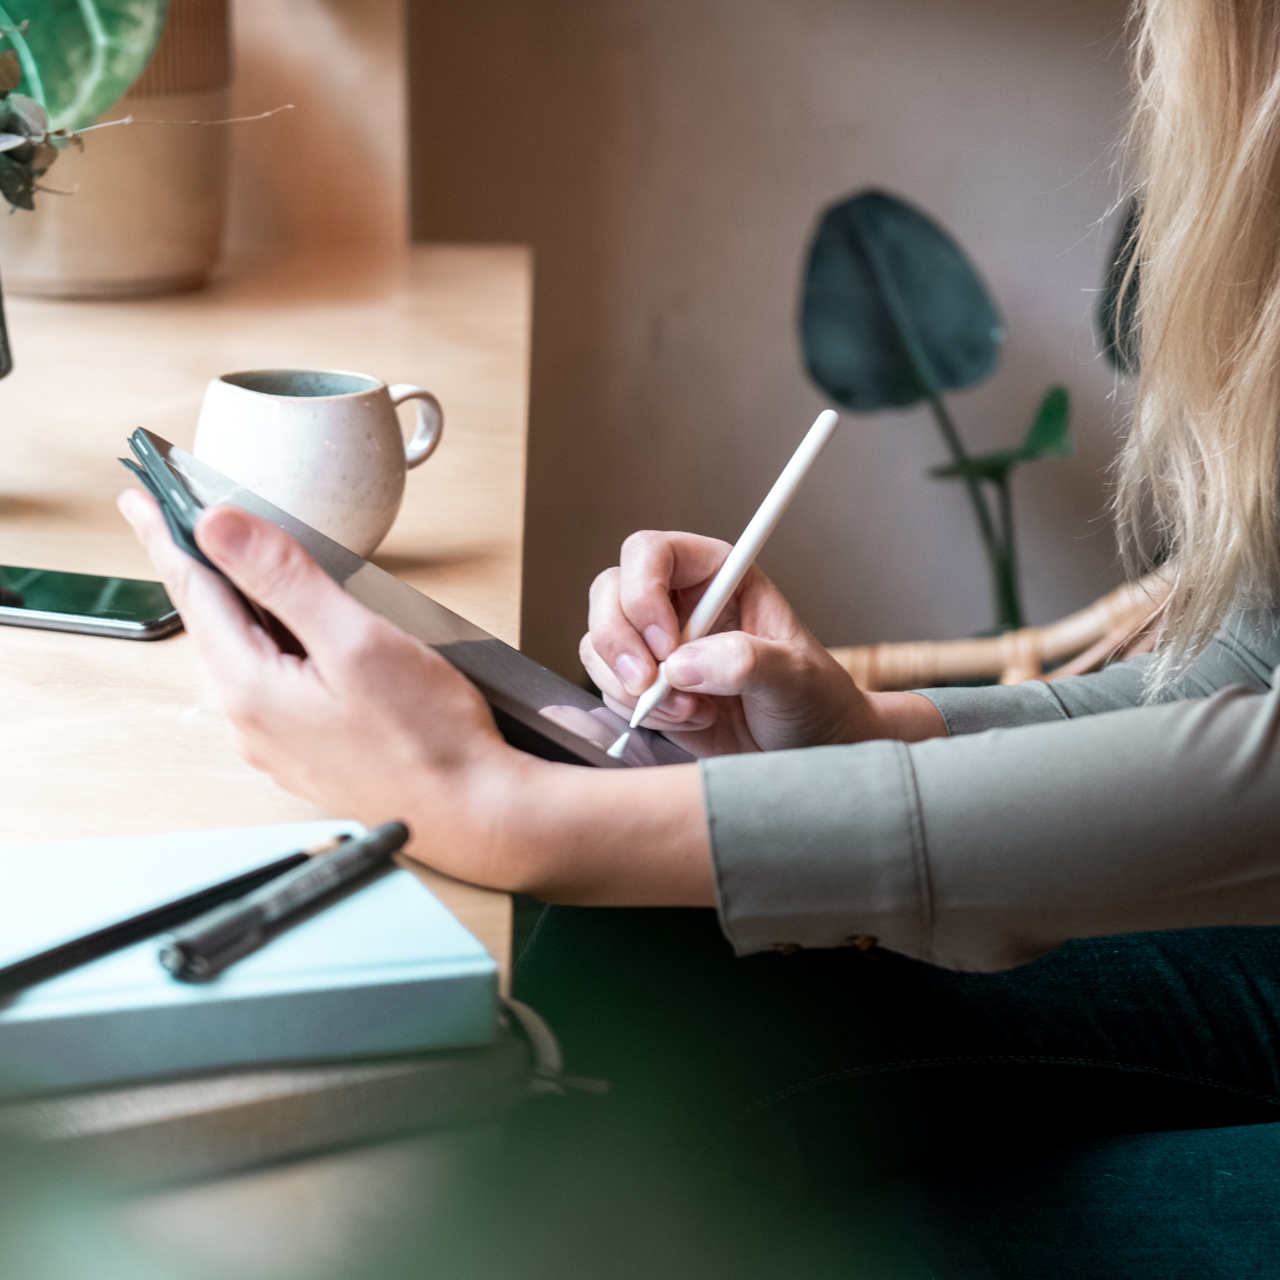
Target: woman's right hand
[[759, 682]]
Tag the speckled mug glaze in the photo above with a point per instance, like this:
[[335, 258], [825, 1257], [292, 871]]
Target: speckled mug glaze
[[322, 444]]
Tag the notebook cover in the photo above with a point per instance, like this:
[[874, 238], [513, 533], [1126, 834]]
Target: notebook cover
[[158, 1133], [386, 969]]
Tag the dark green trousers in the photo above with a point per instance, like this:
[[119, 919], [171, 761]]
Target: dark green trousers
[[981, 1113]]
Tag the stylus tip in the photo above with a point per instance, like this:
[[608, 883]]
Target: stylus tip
[[615, 751]]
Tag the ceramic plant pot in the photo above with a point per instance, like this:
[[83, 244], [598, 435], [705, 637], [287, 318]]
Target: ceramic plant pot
[[147, 203]]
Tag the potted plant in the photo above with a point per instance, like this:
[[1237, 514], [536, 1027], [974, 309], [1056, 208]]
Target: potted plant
[[894, 314], [146, 205]]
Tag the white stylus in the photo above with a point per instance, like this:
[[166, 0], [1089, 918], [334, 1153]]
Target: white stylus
[[739, 560]]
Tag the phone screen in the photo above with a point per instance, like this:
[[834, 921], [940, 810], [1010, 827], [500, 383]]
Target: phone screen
[[85, 602]]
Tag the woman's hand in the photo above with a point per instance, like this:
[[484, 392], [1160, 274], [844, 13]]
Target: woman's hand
[[374, 725], [760, 682], [371, 724]]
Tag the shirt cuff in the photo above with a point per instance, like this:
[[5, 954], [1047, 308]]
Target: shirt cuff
[[819, 848], [996, 706]]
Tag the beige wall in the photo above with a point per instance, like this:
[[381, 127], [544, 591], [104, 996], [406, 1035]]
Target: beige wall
[[333, 169], [667, 159]]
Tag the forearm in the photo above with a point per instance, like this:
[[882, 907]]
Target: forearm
[[618, 837], [1161, 817], [904, 717], [590, 837], [629, 837], [987, 850], [1245, 652]]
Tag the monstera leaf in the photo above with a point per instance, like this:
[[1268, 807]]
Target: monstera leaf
[[893, 312], [79, 57], [1117, 315], [1048, 437]]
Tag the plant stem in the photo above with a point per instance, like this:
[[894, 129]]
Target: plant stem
[[1008, 592], [998, 549]]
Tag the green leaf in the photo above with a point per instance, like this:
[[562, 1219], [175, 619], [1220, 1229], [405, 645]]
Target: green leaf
[[17, 183], [1117, 316], [79, 57], [1048, 437], [1050, 432], [892, 310], [986, 466]]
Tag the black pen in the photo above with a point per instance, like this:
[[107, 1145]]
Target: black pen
[[66, 956], [211, 942]]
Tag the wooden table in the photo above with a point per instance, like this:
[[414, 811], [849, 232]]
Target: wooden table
[[109, 737]]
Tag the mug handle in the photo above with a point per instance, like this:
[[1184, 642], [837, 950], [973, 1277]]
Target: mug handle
[[430, 422]]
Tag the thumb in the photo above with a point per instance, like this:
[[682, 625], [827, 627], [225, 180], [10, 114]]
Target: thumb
[[274, 571], [729, 664]]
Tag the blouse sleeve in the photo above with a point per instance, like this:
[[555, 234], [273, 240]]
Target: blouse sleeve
[[1245, 651], [985, 850]]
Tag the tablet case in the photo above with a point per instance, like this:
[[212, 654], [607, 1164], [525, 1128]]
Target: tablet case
[[384, 970], [536, 710]]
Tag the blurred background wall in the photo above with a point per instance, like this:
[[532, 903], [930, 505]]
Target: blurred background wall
[[333, 171], [667, 159]]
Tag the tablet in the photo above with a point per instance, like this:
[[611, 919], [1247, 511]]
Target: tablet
[[536, 710]]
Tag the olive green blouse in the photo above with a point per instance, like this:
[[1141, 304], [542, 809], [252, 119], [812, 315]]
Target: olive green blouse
[[1052, 811]]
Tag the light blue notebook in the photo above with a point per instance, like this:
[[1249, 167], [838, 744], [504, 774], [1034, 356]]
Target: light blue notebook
[[385, 970]]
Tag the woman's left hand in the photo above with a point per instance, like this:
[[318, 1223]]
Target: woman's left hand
[[371, 724]]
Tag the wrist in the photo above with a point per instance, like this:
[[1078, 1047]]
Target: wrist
[[904, 717], [606, 837], [499, 798]]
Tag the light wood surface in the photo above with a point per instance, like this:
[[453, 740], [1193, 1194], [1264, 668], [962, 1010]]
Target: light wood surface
[[109, 737]]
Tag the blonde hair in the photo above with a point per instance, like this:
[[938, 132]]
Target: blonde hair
[[1201, 466]]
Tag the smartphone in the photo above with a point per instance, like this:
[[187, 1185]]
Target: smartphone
[[128, 608]]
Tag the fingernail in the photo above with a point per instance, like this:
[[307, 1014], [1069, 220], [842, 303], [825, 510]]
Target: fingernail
[[684, 668], [658, 641], [129, 502], [631, 671]]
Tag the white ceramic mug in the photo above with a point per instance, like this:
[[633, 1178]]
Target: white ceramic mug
[[323, 445]]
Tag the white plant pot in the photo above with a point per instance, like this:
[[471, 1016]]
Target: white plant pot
[[147, 202]]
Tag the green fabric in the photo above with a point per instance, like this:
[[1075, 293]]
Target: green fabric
[[1246, 651], [1026, 1103], [972, 710], [1053, 812], [771, 834], [1197, 1205]]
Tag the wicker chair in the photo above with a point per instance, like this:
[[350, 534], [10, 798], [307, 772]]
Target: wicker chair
[[1116, 626]]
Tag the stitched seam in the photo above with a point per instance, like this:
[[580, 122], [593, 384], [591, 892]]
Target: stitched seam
[[919, 850], [1044, 687], [850, 1073], [717, 871], [531, 939]]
